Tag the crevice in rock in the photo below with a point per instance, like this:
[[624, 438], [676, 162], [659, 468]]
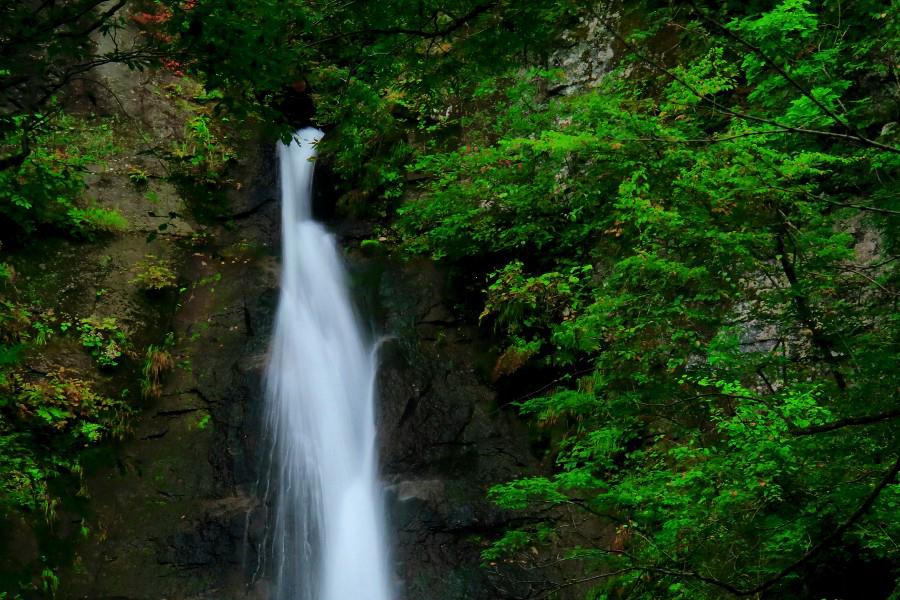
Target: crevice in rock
[[155, 436], [412, 404], [176, 412]]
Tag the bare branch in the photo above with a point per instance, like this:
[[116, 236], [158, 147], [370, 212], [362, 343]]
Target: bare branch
[[875, 209], [99, 22], [848, 422], [454, 25], [769, 61], [819, 338]]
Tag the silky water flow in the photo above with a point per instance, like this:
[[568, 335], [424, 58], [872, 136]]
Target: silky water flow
[[326, 540]]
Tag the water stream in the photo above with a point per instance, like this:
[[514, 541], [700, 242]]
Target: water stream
[[327, 536]]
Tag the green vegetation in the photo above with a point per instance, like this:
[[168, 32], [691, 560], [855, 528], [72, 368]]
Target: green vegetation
[[677, 250], [45, 419], [154, 274], [103, 339], [203, 157], [203, 422], [45, 187], [138, 177], [55, 155], [157, 362]]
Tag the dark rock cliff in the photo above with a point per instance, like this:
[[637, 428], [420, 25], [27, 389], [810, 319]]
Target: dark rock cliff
[[444, 440]]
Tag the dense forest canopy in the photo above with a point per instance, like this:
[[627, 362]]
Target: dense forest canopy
[[688, 264]]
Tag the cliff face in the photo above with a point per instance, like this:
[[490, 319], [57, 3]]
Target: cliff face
[[172, 515], [163, 513], [177, 512]]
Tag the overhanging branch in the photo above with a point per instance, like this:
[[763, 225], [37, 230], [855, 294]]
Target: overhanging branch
[[848, 422], [718, 107], [451, 28]]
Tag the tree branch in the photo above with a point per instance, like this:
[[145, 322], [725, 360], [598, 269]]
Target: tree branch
[[246, 213], [819, 338], [834, 536], [67, 15], [883, 211], [821, 198], [769, 61], [99, 22], [715, 105], [454, 25], [848, 422]]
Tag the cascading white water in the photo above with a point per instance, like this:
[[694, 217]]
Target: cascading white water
[[327, 538]]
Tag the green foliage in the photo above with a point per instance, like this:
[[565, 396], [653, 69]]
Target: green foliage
[[46, 188], [49, 582], [138, 177], [154, 274], [62, 403], [203, 422], [516, 540], [93, 220], [45, 421], [697, 253], [104, 339], [204, 156], [157, 362], [377, 72], [51, 419], [45, 48]]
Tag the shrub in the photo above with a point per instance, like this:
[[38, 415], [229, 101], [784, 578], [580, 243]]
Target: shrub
[[45, 187], [139, 178], [103, 338], [157, 363], [44, 422], [154, 274], [86, 222]]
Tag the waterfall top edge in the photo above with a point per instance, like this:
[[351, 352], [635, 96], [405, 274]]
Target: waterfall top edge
[[308, 136]]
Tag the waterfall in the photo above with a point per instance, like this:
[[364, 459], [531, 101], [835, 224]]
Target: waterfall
[[326, 538]]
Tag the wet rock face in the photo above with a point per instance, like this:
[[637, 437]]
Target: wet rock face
[[443, 441], [178, 512], [180, 515], [165, 511]]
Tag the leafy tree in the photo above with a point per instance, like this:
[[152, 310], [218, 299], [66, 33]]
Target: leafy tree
[[682, 251], [378, 72]]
